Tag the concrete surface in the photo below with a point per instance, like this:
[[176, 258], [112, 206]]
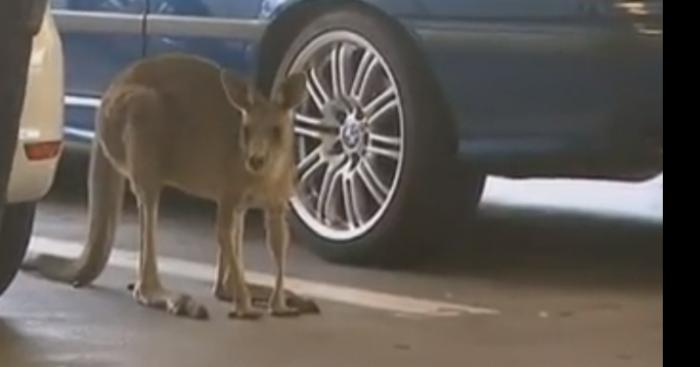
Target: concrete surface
[[572, 283]]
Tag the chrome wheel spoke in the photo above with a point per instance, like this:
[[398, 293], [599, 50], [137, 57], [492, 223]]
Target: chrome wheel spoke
[[313, 127], [352, 125], [301, 146], [367, 65], [385, 98], [311, 133], [306, 119], [336, 64], [342, 69], [372, 182], [330, 178], [393, 141], [309, 164], [353, 214], [392, 154], [316, 91], [378, 112], [385, 146]]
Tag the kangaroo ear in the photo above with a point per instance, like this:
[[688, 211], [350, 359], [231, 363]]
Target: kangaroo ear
[[292, 92], [239, 93]]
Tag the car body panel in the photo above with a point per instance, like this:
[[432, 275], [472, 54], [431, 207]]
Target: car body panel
[[100, 38], [536, 88], [538, 92], [42, 116], [224, 31]]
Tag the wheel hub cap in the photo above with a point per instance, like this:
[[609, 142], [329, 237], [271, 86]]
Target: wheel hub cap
[[352, 134]]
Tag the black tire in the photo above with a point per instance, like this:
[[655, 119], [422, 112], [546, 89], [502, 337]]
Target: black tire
[[424, 212], [15, 231]]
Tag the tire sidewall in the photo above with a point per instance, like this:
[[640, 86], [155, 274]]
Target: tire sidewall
[[15, 232]]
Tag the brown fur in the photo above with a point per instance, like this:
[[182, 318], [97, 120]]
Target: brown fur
[[182, 121]]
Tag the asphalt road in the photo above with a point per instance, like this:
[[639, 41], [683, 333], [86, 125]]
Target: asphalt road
[[554, 273]]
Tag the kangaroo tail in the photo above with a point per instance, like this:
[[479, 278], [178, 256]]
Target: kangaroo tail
[[105, 196]]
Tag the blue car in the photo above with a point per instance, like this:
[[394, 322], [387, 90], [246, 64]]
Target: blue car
[[425, 97]]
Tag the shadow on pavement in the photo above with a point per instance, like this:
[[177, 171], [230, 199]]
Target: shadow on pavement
[[531, 246], [514, 245]]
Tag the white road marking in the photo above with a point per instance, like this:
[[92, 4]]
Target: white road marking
[[337, 293], [635, 200]]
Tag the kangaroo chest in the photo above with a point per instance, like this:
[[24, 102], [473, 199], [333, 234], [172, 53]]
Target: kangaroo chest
[[266, 192]]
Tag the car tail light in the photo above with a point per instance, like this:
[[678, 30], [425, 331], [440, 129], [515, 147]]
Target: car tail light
[[42, 150]]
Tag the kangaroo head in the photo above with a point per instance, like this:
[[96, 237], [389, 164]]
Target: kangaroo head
[[267, 134]]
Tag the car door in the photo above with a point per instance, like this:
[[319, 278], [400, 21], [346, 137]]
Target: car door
[[222, 30], [100, 38], [538, 76]]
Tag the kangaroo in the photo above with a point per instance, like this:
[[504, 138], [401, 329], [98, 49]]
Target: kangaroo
[[182, 121]]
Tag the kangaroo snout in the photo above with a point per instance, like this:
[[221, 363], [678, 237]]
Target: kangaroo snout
[[255, 163]]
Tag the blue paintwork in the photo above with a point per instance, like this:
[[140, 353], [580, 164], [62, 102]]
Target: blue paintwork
[[91, 59], [527, 82], [233, 53]]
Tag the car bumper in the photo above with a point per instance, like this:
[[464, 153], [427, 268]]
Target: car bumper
[[42, 117]]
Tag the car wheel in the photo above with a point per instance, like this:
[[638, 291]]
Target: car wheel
[[375, 150], [15, 231]]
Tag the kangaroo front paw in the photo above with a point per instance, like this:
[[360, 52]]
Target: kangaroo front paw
[[185, 306], [261, 296], [279, 306], [174, 303], [303, 305], [284, 311]]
